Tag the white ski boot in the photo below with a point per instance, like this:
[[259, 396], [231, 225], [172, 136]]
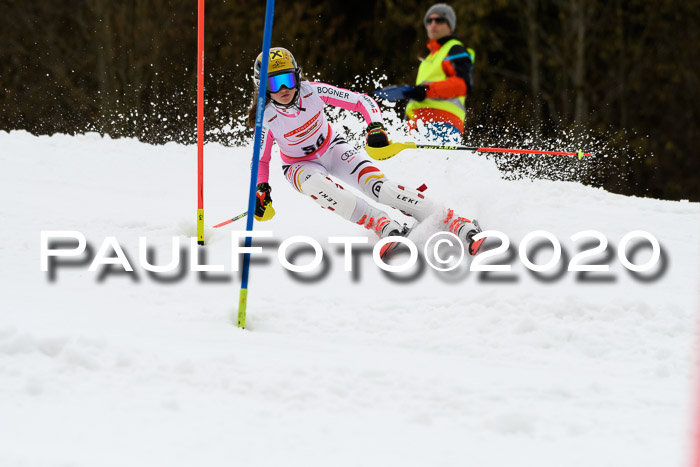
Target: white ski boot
[[465, 229], [384, 226], [381, 223]]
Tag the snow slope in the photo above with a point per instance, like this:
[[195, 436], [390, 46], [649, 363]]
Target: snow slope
[[342, 368]]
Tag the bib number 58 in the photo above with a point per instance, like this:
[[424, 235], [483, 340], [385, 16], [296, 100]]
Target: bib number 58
[[313, 148]]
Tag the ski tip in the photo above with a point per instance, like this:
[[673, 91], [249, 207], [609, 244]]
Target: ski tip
[[475, 247], [387, 249]]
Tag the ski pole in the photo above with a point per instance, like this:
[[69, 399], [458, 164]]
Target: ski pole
[[240, 216], [390, 151]]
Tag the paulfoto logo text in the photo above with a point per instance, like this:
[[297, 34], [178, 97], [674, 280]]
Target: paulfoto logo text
[[443, 252]]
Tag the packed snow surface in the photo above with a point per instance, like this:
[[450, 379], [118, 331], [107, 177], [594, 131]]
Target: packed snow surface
[[335, 368]]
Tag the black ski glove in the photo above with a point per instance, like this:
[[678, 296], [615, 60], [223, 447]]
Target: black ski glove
[[417, 93], [262, 200], [376, 135]]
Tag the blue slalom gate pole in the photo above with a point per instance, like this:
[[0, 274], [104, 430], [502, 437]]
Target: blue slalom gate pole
[[262, 91]]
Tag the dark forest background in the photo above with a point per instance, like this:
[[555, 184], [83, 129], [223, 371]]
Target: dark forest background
[[618, 77]]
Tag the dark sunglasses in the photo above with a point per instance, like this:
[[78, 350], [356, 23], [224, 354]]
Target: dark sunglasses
[[437, 20]]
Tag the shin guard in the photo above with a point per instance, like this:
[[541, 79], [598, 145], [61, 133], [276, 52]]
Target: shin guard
[[329, 195], [410, 202]]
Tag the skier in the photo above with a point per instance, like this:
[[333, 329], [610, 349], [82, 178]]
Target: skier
[[311, 150]]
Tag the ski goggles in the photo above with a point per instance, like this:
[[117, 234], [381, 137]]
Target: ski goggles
[[275, 83]]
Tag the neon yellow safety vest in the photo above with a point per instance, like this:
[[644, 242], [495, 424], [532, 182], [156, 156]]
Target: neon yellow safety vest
[[431, 70]]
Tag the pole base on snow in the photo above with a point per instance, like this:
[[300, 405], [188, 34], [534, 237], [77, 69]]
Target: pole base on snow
[[242, 304], [200, 226]]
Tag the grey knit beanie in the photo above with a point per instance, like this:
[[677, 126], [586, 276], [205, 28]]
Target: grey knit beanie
[[444, 10]]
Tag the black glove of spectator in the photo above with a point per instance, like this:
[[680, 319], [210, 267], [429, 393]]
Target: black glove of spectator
[[417, 93]]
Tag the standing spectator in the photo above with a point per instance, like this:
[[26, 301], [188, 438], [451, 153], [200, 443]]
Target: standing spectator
[[444, 80]]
